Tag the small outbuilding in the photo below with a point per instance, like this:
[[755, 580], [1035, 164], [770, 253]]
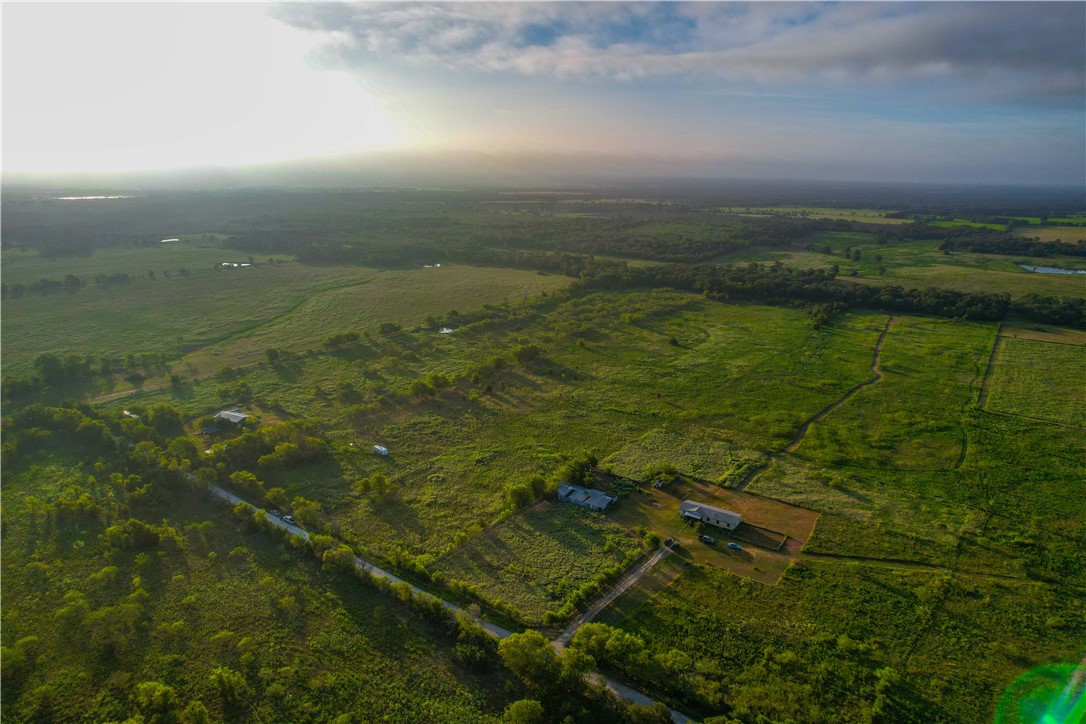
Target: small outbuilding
[[585, 497], [381, 450], [235, 416], [696, 512]]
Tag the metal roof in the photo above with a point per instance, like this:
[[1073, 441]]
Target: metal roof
[[694, 509]]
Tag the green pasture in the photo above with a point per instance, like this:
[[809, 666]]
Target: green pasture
[[912, 418], [226, 316], [534, 560], [869, 216], [698, 453], [1040, 380], [646, 377], [921, 264], [811, 648]]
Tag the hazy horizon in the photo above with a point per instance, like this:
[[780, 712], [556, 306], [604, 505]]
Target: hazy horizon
[[362, 94]]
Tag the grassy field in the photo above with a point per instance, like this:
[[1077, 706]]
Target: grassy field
[[809, 648], [691, 451], [869, 216], [920, 264], [1069, 234], [1040, 380], [1065, 234], [222, 316], [597, 388], [536, 559], [911, 419], [1024, 329], [922, 514]]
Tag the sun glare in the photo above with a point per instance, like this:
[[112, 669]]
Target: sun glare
[[161, 86]]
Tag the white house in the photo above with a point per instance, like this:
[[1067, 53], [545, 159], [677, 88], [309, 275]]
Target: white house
[[700, 512]]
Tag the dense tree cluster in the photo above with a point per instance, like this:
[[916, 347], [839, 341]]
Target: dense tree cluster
[[994, 243], [777, 284]]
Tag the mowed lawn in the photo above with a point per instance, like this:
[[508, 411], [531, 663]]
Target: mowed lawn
[[912, 418], [1042, 380], [535, 559]]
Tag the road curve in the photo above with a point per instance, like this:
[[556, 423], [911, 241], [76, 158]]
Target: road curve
[[620, 690]]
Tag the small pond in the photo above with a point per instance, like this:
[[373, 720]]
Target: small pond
[[1051, 269]]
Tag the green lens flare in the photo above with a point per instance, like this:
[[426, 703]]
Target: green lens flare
[[1052, 694]]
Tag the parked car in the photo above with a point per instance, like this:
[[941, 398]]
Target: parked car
[[277, 514], [735, 546], [288, 519], [671, 543], [707, 539]]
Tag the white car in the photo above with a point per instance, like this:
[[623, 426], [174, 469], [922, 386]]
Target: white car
[[288, 519]]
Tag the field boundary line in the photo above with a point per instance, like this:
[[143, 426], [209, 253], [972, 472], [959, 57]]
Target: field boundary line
[[876, 377], [1039, 420], [985, 382], [903, 564], [802, 432]]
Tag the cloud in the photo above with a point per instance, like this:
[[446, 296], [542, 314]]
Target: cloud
[[998, 51]]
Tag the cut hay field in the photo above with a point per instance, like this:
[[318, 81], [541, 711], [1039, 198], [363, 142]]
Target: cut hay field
[[1040, 380]]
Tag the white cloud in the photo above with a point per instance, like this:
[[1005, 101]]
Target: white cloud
[[994, 50]]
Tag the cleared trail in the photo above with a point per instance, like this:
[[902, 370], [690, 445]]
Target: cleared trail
[[982, 396], [909, 565], [876, 375]]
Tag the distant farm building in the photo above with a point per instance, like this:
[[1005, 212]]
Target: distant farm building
[[701, 513], [235, 416], [380, 450], [585, 497]]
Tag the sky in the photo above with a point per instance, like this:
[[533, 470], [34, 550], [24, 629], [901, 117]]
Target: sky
[[975, 92]]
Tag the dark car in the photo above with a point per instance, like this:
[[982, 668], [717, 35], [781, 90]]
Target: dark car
[[671, 543]]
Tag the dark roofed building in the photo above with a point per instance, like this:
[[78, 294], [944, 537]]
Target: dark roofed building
[[585, 497]]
